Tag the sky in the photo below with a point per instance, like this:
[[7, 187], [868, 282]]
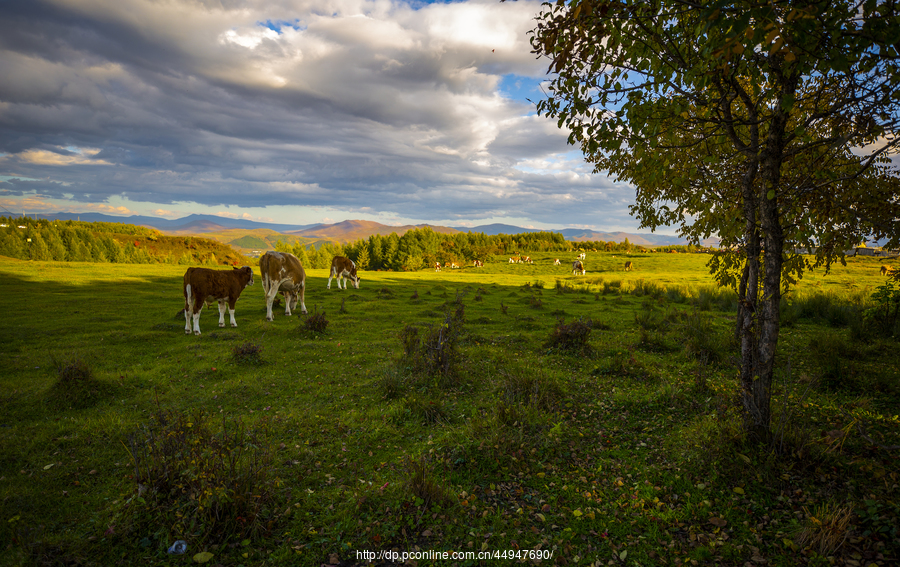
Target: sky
[[288, 111]]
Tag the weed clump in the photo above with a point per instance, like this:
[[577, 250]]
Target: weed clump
[[73, 371], [826, 529], [315, 322], [75, 385], [207, 485], [571, 337], [435, 350], [247, 353], [421, 486]]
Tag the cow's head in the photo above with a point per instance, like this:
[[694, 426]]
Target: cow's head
[[355, 279], [247, 272]]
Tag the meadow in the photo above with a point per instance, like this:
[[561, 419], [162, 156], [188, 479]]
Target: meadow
[[515, 410]]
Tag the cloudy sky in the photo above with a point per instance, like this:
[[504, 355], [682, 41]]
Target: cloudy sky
[[296, 111]]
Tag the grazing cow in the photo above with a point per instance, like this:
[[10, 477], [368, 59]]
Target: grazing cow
[[437, 266], [343, 267], [479, 264], [629, 266], [283, 272], [581, 256], [454, 266], [223, 286], [577, 266], [556, 262], [514, 260], [527, 260], [886, 270]]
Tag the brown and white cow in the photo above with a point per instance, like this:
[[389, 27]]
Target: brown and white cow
[[514, 260], [454, 266], [581, 256], [629, 266], [886, 270], [556, 262], [577, 266], [527, 260], [282, 272], [224, 286], [343, 267], [437, 266], [479, 264]]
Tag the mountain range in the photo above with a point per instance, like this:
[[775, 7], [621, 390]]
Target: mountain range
[[351, 230]]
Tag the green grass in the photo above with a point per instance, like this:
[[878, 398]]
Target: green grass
[[630, 448]]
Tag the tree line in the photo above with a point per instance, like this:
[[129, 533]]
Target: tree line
[[423, 247], [76, 241]]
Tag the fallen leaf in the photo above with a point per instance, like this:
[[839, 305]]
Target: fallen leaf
[[203, 557], [718, 522], [738, 489]]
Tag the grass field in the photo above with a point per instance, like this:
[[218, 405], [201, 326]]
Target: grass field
[[588, 417]]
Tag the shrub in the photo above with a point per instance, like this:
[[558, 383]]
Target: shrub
[[213, 486], [247, 353], [884, 316], [571, 337]]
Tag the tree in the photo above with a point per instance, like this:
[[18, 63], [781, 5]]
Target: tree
[[766, 123]]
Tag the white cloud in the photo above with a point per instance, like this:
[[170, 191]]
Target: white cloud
[[360, 107]]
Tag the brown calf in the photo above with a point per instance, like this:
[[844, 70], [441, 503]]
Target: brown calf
[[202, 284]]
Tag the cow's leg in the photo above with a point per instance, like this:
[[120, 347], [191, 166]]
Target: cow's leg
[[270, 298], [231, 304], [331, 275], [302, 294], [222, 314], [290, 301], [188, 309]]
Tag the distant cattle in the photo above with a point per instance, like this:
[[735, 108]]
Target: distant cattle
[[454, 266], [886, 270], [282, 272], [479, 264], [201, 284], [514, 260], [556, 262], [577, 266], [343, 268], [527, 260], [629, 266], [437, 266], [582, 256]]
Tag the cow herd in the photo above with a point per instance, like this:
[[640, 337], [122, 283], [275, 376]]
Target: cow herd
[[281, 273]]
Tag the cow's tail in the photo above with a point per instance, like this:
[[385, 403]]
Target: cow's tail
[[188, 299]]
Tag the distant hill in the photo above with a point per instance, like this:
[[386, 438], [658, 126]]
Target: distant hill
[[249, 241], [350, 230], [191, 224]]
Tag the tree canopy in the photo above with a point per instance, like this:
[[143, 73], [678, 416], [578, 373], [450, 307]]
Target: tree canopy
[[768, 123]]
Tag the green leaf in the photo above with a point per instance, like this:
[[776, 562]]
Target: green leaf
[[771, 194], [203, 557]]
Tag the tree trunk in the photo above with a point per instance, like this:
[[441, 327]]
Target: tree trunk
[[758, 369]]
